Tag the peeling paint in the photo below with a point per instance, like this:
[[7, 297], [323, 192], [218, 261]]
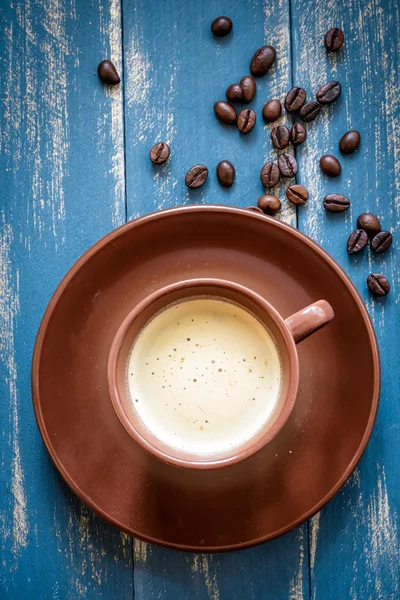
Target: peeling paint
[[203, 564]]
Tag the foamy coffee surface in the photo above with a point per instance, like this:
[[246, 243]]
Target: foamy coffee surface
[[204, 375]]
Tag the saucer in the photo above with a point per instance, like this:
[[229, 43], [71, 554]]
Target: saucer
[[236, 506]]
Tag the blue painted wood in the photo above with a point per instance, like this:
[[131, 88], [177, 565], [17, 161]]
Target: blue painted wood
[[62, 187], [354, 541]]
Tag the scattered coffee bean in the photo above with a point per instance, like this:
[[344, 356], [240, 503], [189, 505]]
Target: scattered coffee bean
[[226, 173], [221, 26], [108, 73], [196, 176], [159, 153], [297, 194], [334, 39], [370, 223], [243, 91], [225, 112], [255, 209], [269, 175], [287, 165], [295, 99], [357, 241], [262, 61], [378, 284], [336, 203], [330, 165], [310, 111], [246, 120], [329, 92], [381, 242], [280, 137], [271, 111], [349, 142], [298, 133], [269, 204]]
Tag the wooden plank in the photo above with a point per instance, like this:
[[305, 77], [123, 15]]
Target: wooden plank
[[62, 187], [175, 71], [354, 541]]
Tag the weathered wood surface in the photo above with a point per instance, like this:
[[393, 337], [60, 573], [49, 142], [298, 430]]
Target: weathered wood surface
[[74, 164]]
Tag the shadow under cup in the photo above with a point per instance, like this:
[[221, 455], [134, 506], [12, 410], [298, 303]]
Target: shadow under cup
[[151, 306]]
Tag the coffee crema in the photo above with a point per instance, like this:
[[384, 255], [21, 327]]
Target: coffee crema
[[204, 375]]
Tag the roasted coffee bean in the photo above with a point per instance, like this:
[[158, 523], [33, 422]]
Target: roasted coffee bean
[[357, 241], [225, 112], [280, 137], [108, 73], [287, 165], [262, 61], [334, 39], [329, 92], [271, 111], [298, 133], [297, 194], [234, 93], [310, 111], [269, 175], [159, 153], [295, 99], [255, 209], [269, 204], [349, 142], [381, 242], [336, 203], [226, 173], [330, 165], [243, 91], [196, 176], [246, 120], [370, 223], [378, 284], [221, 26]]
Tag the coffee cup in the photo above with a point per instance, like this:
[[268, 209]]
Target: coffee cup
[[204, 373]]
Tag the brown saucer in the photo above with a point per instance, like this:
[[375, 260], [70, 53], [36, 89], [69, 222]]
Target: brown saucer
[[243, 504]]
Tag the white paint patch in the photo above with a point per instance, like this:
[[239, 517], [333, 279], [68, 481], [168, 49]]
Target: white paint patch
[[203, 564], [141, 551], [296, 583], [314, 528], [9, 309]]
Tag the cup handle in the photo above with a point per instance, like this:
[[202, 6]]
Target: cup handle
[[309, 319]]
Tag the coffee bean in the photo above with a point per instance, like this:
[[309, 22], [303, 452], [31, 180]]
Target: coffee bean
[[287, 165], [349, 142], [246, 120], [295, 99], [269, 175], [280, 137], [234, 93], [330, 165], [226, 173], [159, 153], [334, 39], [297, 194], [262, 61], [329, 92], [271, 111], [357, 241], [378, 284], [108, 73], [336, 203], [225, 112], [269, 204], [298, 133], [196, 176], [221, 26], [370, 223], [310, 111], [255, 209], [381, 242]]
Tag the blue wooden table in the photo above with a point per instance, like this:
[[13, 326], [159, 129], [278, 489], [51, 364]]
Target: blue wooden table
[[74, 165]]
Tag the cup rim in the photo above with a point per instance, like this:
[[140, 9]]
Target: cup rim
[[264, 435]]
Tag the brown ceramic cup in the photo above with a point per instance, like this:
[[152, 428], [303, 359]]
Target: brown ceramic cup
[[285, 332]]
